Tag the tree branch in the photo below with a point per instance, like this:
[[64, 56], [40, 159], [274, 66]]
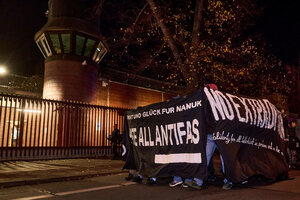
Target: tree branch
[[168, 38], [149, 60], [197, 22], [130, 30]]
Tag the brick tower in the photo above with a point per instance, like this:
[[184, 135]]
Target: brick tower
[[72, 47]]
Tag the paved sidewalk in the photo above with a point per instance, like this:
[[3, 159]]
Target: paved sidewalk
[[15, 173]]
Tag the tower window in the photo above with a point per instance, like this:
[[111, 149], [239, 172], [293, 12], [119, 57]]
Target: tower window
[[55, 42], [40, 45], [88, 47], [99, 53], [79, 44], [65, 38], [71, 42], [44, 46]]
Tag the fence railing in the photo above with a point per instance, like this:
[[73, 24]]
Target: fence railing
[[32, 128]]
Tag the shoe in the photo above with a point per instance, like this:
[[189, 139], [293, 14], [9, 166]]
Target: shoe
[[129, 177], [150, 181], [227, 186], [193, 184], [175, 183], [137, 179], [184, 185]]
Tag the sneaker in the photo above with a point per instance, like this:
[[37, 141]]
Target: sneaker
[[137, 179], [150, 181], [193, 184], [227, 186], [175, 183], [184, 185]]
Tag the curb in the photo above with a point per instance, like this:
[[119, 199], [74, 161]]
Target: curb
[[56, 179]]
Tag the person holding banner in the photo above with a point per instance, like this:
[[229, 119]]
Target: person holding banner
[[133, 174], [285, 121], [293, 145], [178, 137], [210, 149], [197, 183], [298, 128]]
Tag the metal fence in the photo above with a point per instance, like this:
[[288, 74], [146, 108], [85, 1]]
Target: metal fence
[[33, 128]]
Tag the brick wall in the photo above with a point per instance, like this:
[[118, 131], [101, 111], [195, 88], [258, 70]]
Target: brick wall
[[70, 80], [127, 96]]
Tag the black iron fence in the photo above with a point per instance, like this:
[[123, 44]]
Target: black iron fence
[[33, 128]]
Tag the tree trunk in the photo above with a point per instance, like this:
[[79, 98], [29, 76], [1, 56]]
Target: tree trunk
[[197, 22]]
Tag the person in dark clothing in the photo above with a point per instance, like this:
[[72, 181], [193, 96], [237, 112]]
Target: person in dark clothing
[[211, 171], [285, 122], [286, 135], [293, 144], [115, 139]]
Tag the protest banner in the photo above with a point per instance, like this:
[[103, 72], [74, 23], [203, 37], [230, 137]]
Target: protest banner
[[249, 135], [169, 138]]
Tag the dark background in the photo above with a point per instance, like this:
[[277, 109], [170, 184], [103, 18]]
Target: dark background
[[21, 19]]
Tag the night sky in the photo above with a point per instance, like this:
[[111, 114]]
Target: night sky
[[21, 19]]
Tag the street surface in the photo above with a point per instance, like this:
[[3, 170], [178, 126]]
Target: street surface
[[114, 187]]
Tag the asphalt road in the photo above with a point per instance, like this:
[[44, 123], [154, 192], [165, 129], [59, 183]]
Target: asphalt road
[[114, 187]]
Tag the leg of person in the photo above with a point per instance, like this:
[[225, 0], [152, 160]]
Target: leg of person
[[298, 154], [211, 171], [294, 158], [116, 154], [131, 175], [184, 182], [177, 180], [133, 172], [197, 183], [210, 148], [187, 180], [290, 157], [114, 150], [227, 184]]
